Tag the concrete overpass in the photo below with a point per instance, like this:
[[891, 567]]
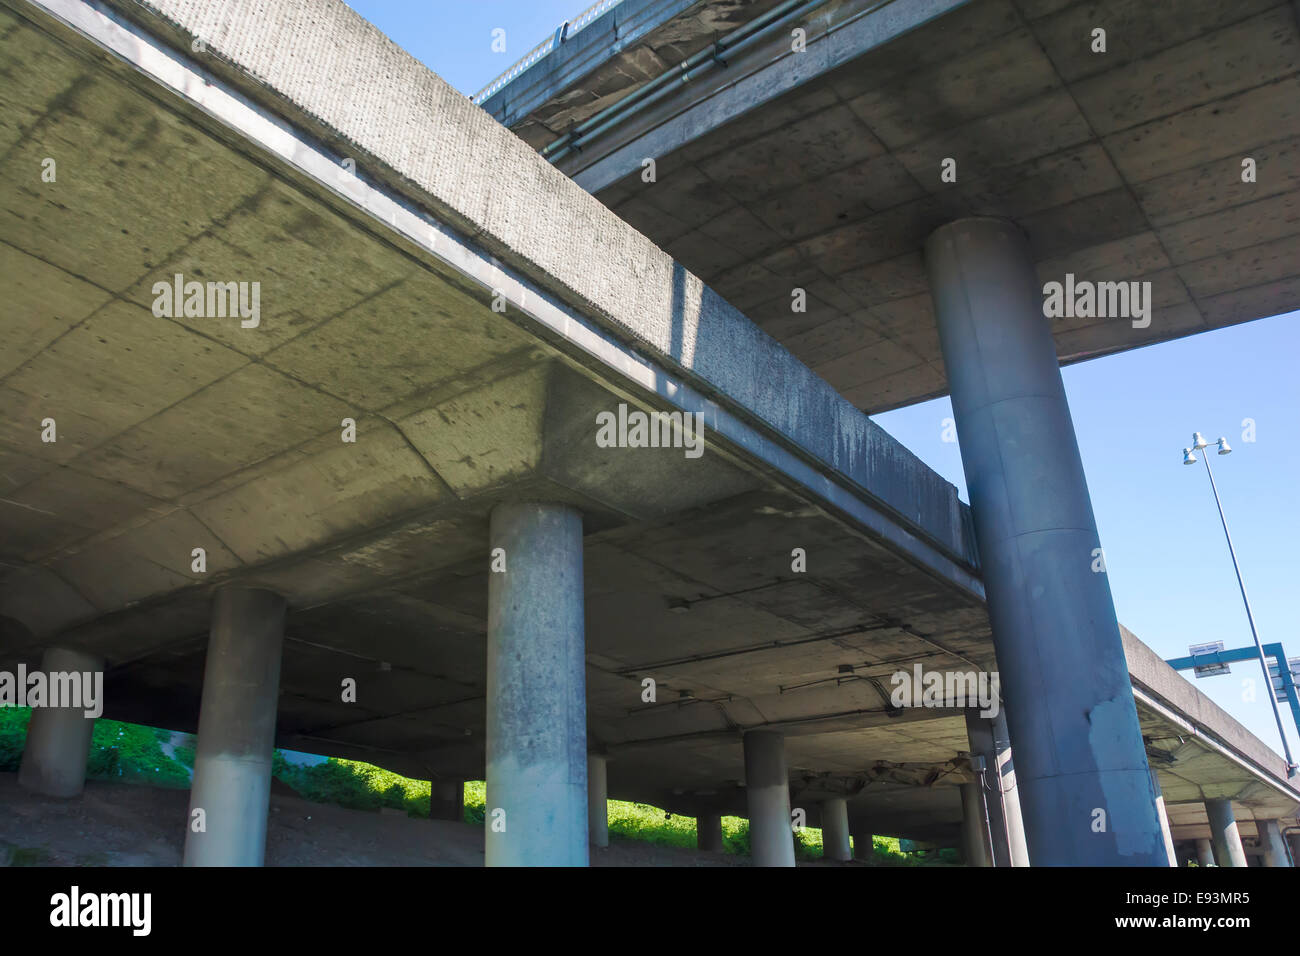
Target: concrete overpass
[[823, 169], [433, 289]]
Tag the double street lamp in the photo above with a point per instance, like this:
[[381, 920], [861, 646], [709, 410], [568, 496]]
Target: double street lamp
[[1189, 458]]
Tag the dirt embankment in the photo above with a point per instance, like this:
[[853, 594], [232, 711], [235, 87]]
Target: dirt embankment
[[113, 824]]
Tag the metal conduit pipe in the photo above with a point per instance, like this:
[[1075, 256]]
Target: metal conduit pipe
[[659, 87]]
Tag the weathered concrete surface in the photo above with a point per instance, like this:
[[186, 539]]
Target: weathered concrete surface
[[226, 823], [536, 733], [822, 170], [191, 432], [1078, 747], [645, 37], [195, 432]]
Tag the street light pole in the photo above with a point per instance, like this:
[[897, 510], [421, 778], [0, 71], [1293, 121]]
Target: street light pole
[[1200, 443]]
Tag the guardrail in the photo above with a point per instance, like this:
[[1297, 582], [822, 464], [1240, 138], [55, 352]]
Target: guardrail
[[562, 33]]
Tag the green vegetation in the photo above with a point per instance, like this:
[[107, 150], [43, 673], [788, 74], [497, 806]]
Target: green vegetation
[[13, 732], [128, 753], [29, 856], [355, 785], [131, 753]]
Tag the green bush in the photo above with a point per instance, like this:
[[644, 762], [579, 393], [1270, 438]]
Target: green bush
[[118, 751], [133, 754], [13, 734], [354, 785]]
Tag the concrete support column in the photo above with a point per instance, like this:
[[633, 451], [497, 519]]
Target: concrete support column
[[974, 830], [1204, 852], [1270, 838], [58, 738], [708, 832], [536, 690], [232, 758], [1063, 674], [990, 739], [1164, 819], [447, 800], [767, 789], [835, 830], [597, 800], [1228, 850], [861, 845], [1294, 840]]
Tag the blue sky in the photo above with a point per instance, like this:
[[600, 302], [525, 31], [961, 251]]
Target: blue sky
[[1166, 557], [1167, 560]]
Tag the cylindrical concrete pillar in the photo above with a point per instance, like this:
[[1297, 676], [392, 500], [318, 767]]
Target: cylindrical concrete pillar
[[1204, 852], [1164, 819], [597, 800], [708, 832], [1081, 767], [231, 793], [1270, 839], [58, 738], [447, 800], [974, 829], [835, 829], [536, 689], [990, 739], [1228, 850], [767, 790], [862, 844]]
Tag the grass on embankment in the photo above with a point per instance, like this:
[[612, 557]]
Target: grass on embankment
[[130, 753]]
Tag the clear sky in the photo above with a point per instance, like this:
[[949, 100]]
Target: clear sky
[[1166, 557], [1167, 560], [454, 37]]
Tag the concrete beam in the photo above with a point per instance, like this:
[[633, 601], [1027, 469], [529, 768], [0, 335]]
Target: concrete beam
[[58, 738], [231, 794], [536, 689], [753, 78], [1079, 751]]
